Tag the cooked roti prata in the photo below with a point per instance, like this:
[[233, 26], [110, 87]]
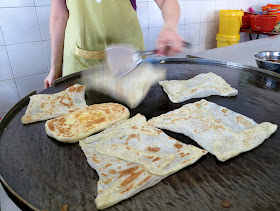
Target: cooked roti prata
[[131, 156], [220, 131], [202, 85], [47, 106], [131, 88], [86, 121]]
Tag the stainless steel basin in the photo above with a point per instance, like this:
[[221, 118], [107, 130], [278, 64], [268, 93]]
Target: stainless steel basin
[[269, 60]]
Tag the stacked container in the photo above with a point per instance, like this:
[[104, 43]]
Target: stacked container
[[265, 10], [229, 26], [277, 7], [272, 10]]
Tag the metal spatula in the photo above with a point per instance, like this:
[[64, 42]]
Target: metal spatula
[[121, 59]]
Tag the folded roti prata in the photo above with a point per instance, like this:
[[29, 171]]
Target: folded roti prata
[[136, 141], [118, 179], [131, 88], [202, 85], [86, 121], [220, 131], [47, 106], [131, 156]]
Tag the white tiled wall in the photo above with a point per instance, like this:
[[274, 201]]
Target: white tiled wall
[[25, 40], [24, 49], [198, 24]]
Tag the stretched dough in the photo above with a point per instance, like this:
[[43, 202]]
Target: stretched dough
[[220, 131], [202, 85], [47, 106]]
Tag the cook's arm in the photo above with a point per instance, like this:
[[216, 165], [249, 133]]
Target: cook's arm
[[58, 20], [168, 36]]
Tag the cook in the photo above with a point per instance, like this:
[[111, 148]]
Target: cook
[[80, 30]]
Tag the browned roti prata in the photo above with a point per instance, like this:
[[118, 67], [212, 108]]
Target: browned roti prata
[[86, 121], [47, 106]]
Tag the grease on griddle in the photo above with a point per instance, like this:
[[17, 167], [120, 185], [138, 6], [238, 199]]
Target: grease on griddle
[[226, 203], [265, 82]]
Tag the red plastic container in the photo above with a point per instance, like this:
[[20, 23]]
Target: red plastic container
[[263, 23], [246, 20]]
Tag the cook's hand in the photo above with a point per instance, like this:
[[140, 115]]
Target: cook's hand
[[169, 42], [51, 77]]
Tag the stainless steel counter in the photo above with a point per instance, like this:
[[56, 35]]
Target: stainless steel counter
[[242, 53]]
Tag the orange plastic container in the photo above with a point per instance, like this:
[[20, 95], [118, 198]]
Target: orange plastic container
[[278, 8], [272, 9], [265, 8], [278, 16]]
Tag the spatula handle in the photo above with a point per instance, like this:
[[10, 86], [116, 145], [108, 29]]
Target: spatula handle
[[147, 53]]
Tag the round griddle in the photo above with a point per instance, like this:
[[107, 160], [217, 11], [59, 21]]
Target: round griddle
[[45, 174]]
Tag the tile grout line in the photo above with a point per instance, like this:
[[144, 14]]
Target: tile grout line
[[1, 33], [147, 3], [185, 33], [200, 3], [15, 7], [2, 36], [38, 22], [9, 56], [24, 76], [41, 36], [45, 54], [26, 42], [10, 63], [199, 23], [12, 71]]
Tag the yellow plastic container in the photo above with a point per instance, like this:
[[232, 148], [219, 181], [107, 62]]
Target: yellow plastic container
[[226, 40], [230, 22]]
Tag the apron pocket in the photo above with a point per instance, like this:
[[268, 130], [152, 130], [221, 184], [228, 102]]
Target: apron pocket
[[85, 59]]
